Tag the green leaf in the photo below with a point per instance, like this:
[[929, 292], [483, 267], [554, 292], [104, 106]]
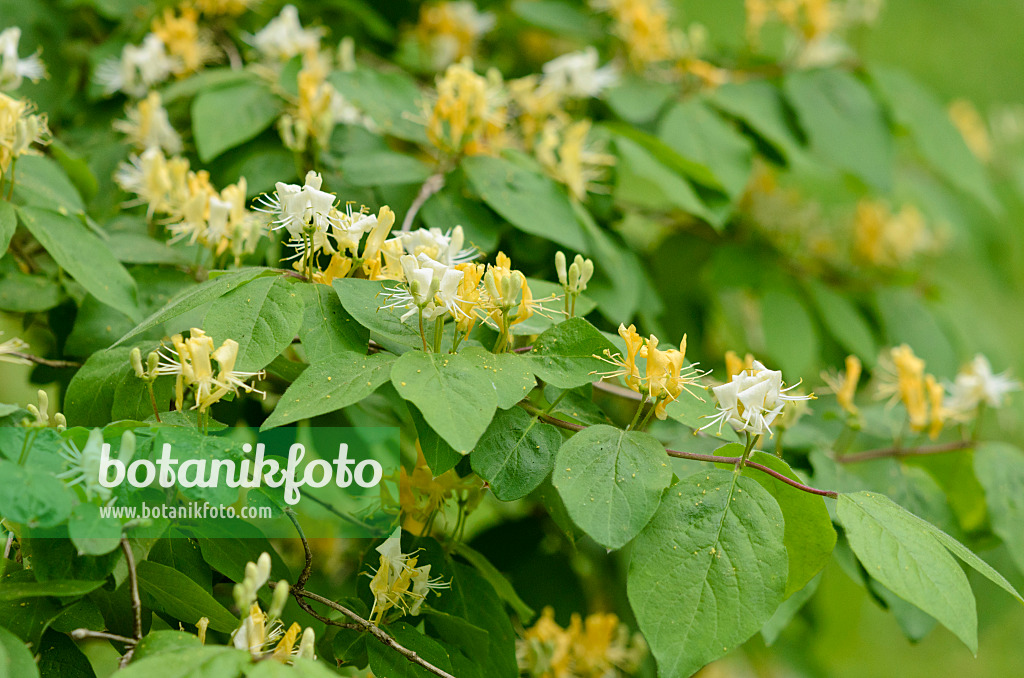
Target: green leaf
[[529, 201], [558, 17], [8, 223], [845, 322], [439, 455], [386, 662], [692, 413], [383, 168], [391, 99], [363, 298], [696, 132], [449, 391], [40, 182], [15, 659], [173, 593], [611, 481], [666, 155], [90, 396], [501, 585], [31, 496], [708, 571], [81, 253], [510, 374], [809, 536], [60, 657], [638, 100], [906, 319], [263, 317], [790, 333], [209, 661], [1000, 470], [760, 106], [165, 642], [515, 454], [844, 123], [564, 355], [24, 293], [61, 588], [934, 134], [91, 533], [194, 297], [29, 619], [897, 550], [333, 382], [229, 116], [327, 328]]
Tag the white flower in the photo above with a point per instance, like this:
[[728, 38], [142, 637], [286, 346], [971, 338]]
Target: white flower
[[283, 37], [139, 68], [13, 69], [752, 400], [977, 384], [83, 466], [445, 248], [297, 208], [148, 176], [14, 345], [577, 74], [147, 126]]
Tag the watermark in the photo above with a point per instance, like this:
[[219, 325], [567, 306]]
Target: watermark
[[191, 511]]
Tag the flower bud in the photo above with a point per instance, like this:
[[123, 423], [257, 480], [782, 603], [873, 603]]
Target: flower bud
[[277, 603], [60, 421], [44, 405], [586, 273], [560, 266], [135, 358], [152, 361], [574, 277], [201, 627], [127, 450], [489, 284], [307, 644]]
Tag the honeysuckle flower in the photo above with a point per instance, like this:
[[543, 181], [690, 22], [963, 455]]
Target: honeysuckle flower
[[844, 384], [191, 362], [83, 466], [224, 7], [298, 208], [445, 248], [257, 574], [977, 384], [264, 637], [577, 74], [599, 645], [11, 346], [14, 69], [888, 239], [901, 379], [185, 41], [643, 26], [148, 176], [568, 157], [20, 129], [398, 583], [734, 365], [284, 37], [139, 68], [752, 400], [449, 31], [666, 376], [148, 126], [469, 113]]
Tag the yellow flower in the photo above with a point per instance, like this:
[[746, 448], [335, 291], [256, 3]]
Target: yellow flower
[[469, 112], [903, 380], [643, 25], [734, 365], [20, 130], [844, 384], [450, 31], [190, 362], [184, 39], [264, 637], [565, 154], [883, 238], [398, 583], [971, 126], [596, 647]]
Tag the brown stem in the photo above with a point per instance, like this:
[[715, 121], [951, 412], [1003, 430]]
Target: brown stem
[[904, 451], [133, 587], [433, 184], [43, 361], [299, 592], [81, 634], [617, 390], [569, 426]]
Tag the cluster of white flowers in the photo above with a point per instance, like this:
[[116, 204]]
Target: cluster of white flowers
[[284, 37], [263, 634], [139, 68], [13, 69], [83, 465], [752, 400], [148, 126], [976, 384], [577, 75]]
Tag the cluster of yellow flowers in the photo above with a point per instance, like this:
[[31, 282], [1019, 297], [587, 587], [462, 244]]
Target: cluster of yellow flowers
[[599, 646], [422, 496], [469, 113], [450, 31], [20, 130], [399, 583], [889, 240], [643, 26], [190, 362], [814, 25], [666, 375]]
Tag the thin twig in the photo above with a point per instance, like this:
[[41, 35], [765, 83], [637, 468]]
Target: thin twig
[[8, 545], [523, 349], [133, 587], [904, 451], [81, 634], [615, 389], [433, 184], [43, 361], [299, 592], [569, 426], [753, 464]]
